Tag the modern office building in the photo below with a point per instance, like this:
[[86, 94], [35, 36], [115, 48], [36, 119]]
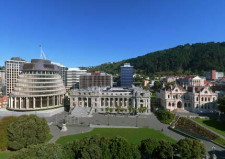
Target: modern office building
[[62, 71], [38, 87], [126, 75], [73, 77], [12, 71], [101, 98], [2, 78], [95, 79]]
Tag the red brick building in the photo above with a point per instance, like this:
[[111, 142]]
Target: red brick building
[[4, 101]]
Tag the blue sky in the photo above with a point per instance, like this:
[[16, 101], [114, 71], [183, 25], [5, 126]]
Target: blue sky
[[90, 32]]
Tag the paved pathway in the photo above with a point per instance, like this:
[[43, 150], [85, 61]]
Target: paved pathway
[[76, 129], [149, 121]]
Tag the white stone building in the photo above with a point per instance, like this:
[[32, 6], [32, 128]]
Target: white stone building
[[194, 99], [99, 99], [192, 81], [73, 77]]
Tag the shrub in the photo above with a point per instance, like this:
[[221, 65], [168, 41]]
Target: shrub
[[190, 148], [4, 123], [41, 151], [27, 130], [165, 116], [190, 126]]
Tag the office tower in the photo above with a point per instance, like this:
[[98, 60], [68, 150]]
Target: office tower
[[73, 77], [38, 87], [126, 75], [95, 79], [12, 71], [62, 71]]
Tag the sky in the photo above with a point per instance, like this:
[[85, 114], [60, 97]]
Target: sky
[[91, 32]]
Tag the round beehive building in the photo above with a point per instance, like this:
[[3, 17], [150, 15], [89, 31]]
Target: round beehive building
[[38, 87]]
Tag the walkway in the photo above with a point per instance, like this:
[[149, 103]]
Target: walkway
[[148, 121]]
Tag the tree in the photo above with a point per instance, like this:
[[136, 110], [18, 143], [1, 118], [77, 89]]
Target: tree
[[101, 148], [221, 104], [41, 151], [4, 123], [147, 147], [190, 148], [163, 151], [121, 149], [165, 116], [27, 130], [157, 85]]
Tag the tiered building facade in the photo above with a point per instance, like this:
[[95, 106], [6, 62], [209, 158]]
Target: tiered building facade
[[38, 87]]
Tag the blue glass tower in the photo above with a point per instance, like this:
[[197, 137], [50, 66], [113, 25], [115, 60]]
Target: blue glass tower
[[126, 75]]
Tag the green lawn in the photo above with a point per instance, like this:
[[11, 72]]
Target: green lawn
[[5, 155], [133, 135], [214, 125]]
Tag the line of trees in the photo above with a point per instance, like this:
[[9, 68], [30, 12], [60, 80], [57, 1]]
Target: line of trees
[[183, 59], [96, 147]]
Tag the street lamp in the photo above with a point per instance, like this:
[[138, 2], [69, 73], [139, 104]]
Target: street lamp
[[108, 119], [136, 121]]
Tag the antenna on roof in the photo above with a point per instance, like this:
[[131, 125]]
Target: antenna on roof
[[42, 54]]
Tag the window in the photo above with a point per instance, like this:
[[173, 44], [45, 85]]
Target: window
[[173, 104], [208, 99], [185, 104], [202, 99], [205, 99], [176, 90], [169, 104], [206, 92], [168, 96], [196, 98]]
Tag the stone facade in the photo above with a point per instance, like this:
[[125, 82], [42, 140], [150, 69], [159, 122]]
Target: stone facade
[[193, 99], [99, 98]]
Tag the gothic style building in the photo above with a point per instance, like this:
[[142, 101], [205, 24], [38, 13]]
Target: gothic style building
[[199, 99], [99, 99]]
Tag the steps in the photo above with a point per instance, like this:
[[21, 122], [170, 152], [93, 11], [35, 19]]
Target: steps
[[81, 112]]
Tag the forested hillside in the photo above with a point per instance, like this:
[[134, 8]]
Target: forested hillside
[[183, 59]]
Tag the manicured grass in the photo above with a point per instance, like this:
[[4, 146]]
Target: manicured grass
[[5, 155], [214, 125], [220, 141], [133, 135], [49, 137]]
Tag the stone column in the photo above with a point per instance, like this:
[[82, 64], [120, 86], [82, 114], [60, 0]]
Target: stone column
[[53, 100], [41, 102], [87, 102], [34, 103], [10, 102], [20, 103], [15, 102], [48, 101], [123, 105], [27, 102]]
